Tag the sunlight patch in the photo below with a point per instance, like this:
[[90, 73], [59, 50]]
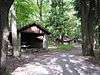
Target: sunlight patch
[[74, 61], [53, 60], [64, 60], [56, 69], [70, 70], [63, 55], [71, 55], [67, 65], [31, 70]]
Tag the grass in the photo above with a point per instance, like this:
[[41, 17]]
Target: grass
[[7, 73], [64, 47], [4, 71]]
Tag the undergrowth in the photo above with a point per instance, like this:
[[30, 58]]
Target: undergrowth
[[3, 71], [64, 47]]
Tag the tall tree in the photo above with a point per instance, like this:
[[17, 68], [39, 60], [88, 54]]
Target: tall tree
[[86, 10], [98, 10], [57, 18], [13, 27], [97, 23], [62, 18], [4, 10], [40, 5]]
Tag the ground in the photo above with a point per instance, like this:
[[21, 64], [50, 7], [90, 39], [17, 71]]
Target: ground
[[53, 63]]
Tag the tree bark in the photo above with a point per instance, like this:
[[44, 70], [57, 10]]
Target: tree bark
[[39, 4], [4, 21], [4, 10], [87, 28], [1, 36], [14, 30], [98, 10]]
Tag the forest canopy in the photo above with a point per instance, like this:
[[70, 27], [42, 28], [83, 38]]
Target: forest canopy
[[57, 16]]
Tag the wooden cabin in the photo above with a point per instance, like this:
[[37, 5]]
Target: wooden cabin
[[33, 36]]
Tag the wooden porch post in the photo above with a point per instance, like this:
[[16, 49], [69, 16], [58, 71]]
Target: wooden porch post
[[19, 42], [45, 41]]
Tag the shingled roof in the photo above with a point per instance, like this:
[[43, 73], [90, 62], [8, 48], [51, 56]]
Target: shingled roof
[[34, 24]]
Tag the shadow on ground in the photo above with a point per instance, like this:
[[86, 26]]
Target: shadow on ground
[[58, 64]]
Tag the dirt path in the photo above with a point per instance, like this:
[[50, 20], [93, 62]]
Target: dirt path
[[55, 63], [77, 50]]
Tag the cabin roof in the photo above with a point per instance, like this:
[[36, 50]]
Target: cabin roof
[[34, 24]]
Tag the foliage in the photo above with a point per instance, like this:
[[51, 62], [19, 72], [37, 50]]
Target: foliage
[[27, 11], [24, 9], [57, 16], [62, 19], [64, 47], [77, 7]]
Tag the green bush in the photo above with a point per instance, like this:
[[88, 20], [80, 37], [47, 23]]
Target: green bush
[[64, 47]]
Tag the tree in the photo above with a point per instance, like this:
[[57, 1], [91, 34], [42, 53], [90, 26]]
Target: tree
[[57, 15], [86, 10], [29, 11], [25, 9], [39, 4], [98, 10], [13, 27], [98, 20], [62, 20], [4, 10], [57, 18]]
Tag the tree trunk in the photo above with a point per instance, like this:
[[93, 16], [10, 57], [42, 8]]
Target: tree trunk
[[4, 21], [87, 29], [98, 35], [98, 21], [39, 4], [14, 31], [1, 36], [4, 10], [98, 10]]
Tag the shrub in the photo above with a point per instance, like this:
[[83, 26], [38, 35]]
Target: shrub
[[64, 47]]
